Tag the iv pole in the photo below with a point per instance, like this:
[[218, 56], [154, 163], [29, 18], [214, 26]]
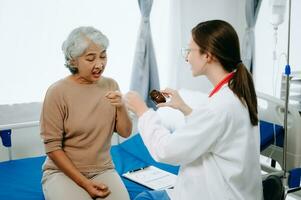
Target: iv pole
[[287, 75]]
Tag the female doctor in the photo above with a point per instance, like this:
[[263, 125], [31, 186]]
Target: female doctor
[[218, 147]]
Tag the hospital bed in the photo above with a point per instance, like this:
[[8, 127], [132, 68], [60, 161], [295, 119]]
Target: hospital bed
[[271, 114], [20, 178]]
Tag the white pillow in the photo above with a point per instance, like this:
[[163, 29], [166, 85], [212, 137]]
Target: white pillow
[[173, 119]]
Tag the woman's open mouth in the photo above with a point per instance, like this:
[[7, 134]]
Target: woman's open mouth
[[96, 74]]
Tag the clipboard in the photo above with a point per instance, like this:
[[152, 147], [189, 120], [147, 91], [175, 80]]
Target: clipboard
[[152, 178]]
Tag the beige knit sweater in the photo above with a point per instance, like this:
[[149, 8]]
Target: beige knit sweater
[[78, 119]]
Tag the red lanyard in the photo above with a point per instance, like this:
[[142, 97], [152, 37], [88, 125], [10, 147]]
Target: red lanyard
[[221, 83]]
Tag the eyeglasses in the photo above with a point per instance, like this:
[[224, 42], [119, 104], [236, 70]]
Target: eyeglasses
[[186, 51]]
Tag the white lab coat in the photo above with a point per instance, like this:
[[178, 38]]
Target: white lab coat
[[217, 149]]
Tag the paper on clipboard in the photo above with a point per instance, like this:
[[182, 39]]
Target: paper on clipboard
[[152, 177]]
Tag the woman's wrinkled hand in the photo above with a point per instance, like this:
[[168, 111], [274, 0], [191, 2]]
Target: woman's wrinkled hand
[[134, 103], [96, 189], [115, 98]]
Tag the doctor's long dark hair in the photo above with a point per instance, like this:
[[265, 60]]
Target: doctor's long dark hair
[[219, 38]]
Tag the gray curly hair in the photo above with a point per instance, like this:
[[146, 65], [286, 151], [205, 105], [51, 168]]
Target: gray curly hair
[[78, 41]]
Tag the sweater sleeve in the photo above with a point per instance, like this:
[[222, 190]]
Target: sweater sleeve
[[115, 85], [51, 121]]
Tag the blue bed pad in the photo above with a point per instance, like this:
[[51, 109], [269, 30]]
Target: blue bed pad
[[20, 179], [269, 132]]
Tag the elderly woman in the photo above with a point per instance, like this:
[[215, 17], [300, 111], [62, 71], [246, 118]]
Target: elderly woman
[[80, 114]]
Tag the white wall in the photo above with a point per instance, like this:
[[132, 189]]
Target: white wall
[[184, 16], [295, 46], [32, 32], [267, 74]]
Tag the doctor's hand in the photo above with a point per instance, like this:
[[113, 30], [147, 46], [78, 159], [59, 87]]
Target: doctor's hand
[[134, 103], [96, 189], [115, 98], [175, 102]]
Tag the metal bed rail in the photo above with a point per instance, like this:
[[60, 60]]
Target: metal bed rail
[[6, 130]]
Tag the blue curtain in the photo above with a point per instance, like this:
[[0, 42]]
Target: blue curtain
[[144, 71], [252, 8]]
